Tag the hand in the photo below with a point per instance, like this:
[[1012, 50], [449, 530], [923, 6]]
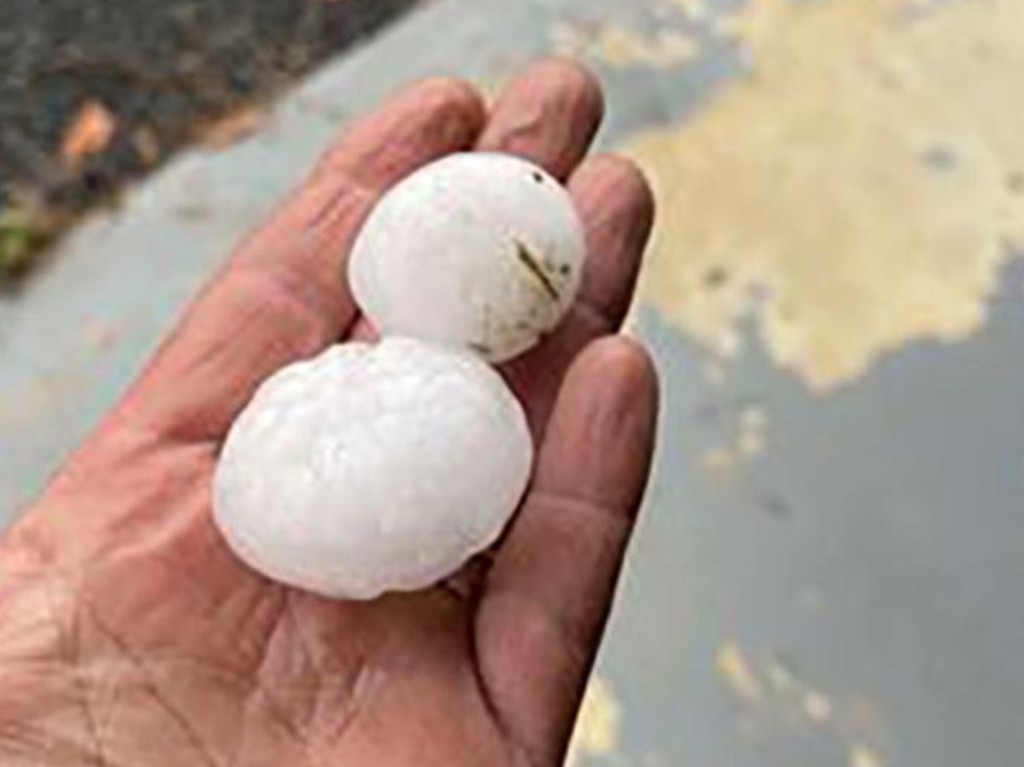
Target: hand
[[130, 635]]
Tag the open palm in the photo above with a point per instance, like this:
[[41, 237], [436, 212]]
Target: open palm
[[129, 634]]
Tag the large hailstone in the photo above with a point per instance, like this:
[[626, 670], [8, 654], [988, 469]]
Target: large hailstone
[[372, 468], [479, 250]]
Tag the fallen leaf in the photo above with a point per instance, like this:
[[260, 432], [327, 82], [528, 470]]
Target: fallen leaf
[[89, 133]]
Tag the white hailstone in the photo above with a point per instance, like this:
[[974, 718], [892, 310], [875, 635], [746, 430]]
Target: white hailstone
[[372, 468], [479, 250]]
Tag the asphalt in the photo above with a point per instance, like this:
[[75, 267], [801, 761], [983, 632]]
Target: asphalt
[[164, 70]]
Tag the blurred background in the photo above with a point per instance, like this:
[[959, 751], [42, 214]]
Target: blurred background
[[831, 566]]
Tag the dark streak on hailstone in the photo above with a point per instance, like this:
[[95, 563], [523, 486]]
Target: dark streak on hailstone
[[529, 260]]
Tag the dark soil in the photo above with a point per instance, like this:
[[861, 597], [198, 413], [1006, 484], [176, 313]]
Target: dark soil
[[163, 69]]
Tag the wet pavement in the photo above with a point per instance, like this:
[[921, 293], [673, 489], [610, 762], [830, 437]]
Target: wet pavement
[[825, 575]]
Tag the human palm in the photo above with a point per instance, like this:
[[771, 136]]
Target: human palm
[[130, 635]]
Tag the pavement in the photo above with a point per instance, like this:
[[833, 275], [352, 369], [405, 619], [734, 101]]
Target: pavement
[[94, 95], [829, 564]]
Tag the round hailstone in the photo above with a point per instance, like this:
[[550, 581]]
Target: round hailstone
[[372, 468], [478, 250]]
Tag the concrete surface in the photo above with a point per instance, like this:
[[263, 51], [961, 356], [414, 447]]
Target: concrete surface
[[849, 595]]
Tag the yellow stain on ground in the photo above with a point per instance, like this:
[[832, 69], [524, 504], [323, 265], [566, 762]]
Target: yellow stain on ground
[[775, 695], [597, 727], [857, 191], [790, 692], [817, 707], [753, 425], [719, 460], [738, 673], [695, 10], [746, 444], [620, 48], [862, 756]]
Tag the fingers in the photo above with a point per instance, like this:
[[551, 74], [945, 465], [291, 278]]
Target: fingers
[[417, 126], [617, 208], [549, 115], [422, 124], [549, 592], [284, 294]]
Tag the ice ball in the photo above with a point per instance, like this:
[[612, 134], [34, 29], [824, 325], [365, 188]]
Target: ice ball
[[481, 250], [372, 468]]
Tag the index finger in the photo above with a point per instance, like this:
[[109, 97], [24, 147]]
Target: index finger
[[283, 295]]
